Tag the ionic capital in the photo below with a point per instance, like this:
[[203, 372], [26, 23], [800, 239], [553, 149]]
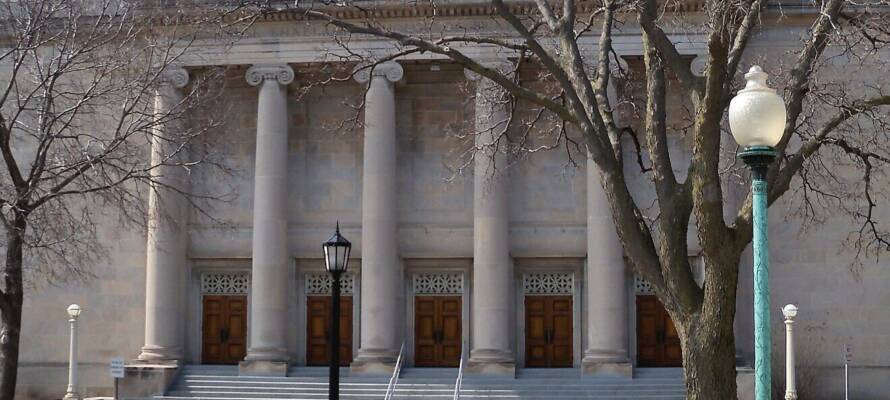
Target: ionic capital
[[390, 70], [175, 76], [259, 73], [699, 64]]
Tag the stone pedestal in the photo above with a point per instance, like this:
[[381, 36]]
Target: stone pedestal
[[267, 353], [145, 380], [607, 339], [383, 298], [166, 259], [491, 350]]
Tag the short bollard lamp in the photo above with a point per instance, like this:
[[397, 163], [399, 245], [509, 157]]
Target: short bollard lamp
[[72, 394], [757, 120], [790, 312], [336, 257]]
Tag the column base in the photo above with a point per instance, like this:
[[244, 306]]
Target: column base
[[144, 379], [262, 368], [374, 362], [613, 369], [614, 364], [491, 362], [71, 396], [160, 354]]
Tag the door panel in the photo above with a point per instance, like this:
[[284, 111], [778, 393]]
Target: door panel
[[425, 331], [658, 344], [536, 332], [224, 329], [548, 332], [561, 332], [437, 331], [318, 322]]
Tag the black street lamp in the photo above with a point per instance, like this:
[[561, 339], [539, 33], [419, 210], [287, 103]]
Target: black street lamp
[[336, 256]]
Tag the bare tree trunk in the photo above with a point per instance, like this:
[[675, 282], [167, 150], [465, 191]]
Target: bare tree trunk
[[709, 359], [11, 309]]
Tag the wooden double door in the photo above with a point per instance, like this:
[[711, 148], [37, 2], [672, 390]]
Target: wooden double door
[[224, 329], [437, 331], [658, 344], [318, 323], [548, 331]]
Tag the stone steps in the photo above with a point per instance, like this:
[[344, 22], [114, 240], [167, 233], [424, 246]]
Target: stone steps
[[309, 383]]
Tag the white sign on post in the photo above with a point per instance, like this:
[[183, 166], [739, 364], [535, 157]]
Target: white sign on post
[[117, 367]]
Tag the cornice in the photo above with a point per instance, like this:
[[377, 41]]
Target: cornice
[[446, 9]]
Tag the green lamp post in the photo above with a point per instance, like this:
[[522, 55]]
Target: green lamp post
[[757, 120]]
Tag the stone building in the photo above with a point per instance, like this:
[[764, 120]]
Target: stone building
[[515, 268]]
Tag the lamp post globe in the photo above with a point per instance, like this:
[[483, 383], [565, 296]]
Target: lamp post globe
[[757, 113], [336, 259], [74, 311], [757, 121]]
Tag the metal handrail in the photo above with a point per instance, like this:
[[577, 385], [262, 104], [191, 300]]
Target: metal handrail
[[460, 375], [395, 375]]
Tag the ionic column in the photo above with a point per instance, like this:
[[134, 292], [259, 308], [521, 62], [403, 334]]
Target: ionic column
[[492, 266], [607, 340], [166, 259], [267, 351], [381, 306]]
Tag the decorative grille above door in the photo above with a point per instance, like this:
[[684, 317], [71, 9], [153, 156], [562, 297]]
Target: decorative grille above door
[[439, 283], [548, 283], [231, 282], [642, 287], [319, 284]]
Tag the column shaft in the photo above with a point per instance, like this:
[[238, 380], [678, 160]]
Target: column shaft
[[166, 258], [607, 340], [382, 303], [492, 265], [267, 351]]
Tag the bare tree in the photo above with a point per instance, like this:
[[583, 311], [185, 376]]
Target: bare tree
[[827, 124], [82, 137]]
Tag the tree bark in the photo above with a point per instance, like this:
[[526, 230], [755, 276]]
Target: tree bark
[[11, 308], [708, 358]]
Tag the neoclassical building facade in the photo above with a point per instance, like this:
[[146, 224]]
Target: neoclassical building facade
[[462, 290], [509, 263]]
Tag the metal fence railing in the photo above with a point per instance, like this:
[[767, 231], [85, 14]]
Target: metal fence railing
[[390, 389]]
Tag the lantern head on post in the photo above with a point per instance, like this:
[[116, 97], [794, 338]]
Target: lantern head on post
[[336, 252], [757, 120], [74, 311]]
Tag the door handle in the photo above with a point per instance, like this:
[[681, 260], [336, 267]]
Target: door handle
[[224, 335], [547, 336], [440, 336]]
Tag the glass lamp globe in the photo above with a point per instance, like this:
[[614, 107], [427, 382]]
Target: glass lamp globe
[[757, 112], [74, 311], [789, 311], [336, 252]]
